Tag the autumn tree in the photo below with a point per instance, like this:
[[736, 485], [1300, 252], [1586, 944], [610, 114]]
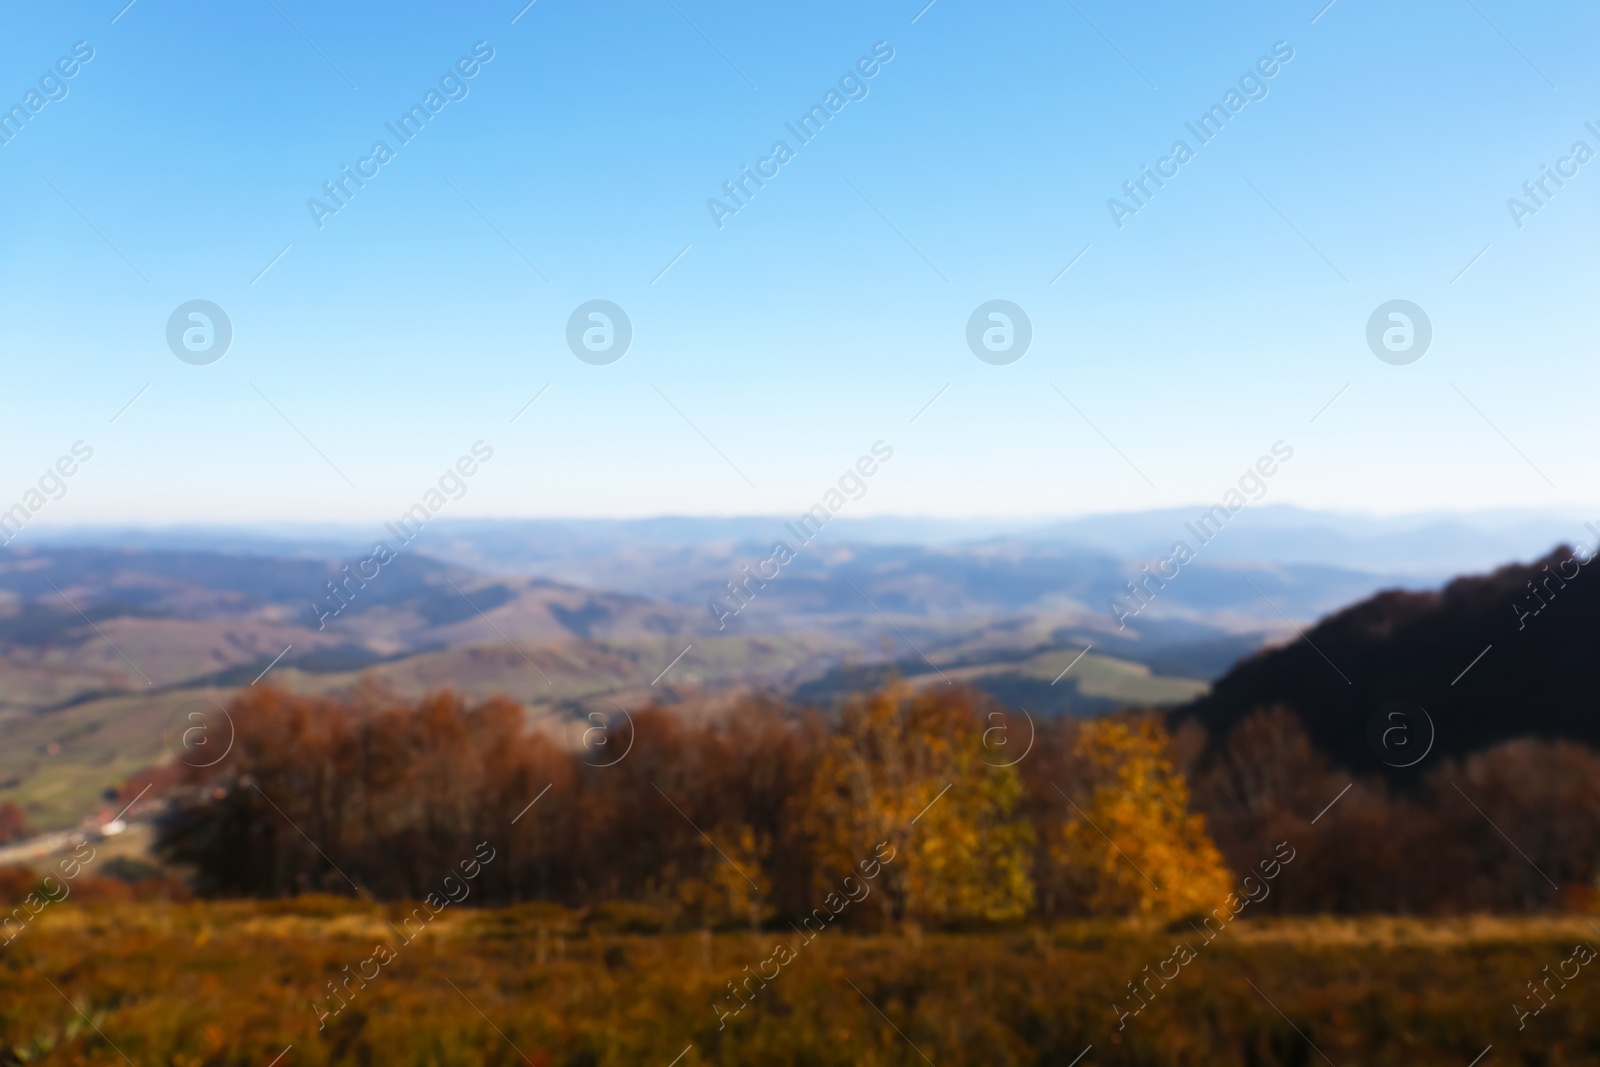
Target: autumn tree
[[13, 823], [731, 886], [1133, 847], [908, 769], [1542, 795]]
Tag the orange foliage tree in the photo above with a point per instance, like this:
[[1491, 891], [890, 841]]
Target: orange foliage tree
[[1134, 848]]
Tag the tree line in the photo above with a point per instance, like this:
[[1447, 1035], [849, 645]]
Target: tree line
[[752, 815]]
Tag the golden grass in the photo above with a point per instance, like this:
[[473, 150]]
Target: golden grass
[[233, 983]]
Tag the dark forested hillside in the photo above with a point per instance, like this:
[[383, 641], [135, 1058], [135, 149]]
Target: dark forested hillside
[[1536, 628]]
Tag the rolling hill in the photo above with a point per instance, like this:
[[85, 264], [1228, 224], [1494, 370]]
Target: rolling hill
[[1485, 657], [102, 649]]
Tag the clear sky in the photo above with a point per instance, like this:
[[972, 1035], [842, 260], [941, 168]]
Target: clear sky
[[772, 350]]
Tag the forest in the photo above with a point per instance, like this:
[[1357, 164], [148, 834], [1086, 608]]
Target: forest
[[751, 816]]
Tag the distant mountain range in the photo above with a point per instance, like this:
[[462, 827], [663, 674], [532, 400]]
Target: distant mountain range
[[1429, 545]]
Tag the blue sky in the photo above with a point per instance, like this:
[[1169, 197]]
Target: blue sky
[[827, 313]]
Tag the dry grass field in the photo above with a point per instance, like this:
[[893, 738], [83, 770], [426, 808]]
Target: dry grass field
[[107, 982]]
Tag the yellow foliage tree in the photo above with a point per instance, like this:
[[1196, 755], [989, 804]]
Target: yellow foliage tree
[[733, 887], [907, 769], [1130, 845]]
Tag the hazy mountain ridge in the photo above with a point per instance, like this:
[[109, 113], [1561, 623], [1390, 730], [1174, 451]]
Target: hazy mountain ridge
[[1437, 543]]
